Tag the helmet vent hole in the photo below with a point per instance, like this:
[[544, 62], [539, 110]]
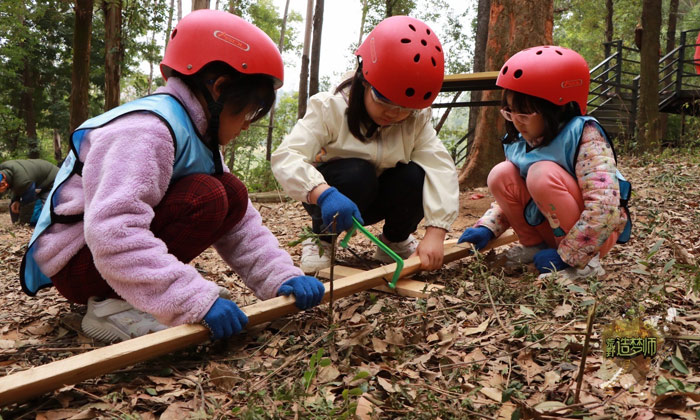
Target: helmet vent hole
[[405, 41], [433, 60], [422, 41], [539, 52], [427, 31], [427, 96], [505, 70], [558, 52], [416, 58], [437, 47], [172, 35], [517, 74], [413, 28], [410, 92]]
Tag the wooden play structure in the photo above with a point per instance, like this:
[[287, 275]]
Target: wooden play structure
[[614, 90]]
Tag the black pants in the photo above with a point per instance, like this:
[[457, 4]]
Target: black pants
[[396, 196]]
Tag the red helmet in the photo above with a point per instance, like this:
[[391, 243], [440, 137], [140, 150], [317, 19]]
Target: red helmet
[[402, 58], [205, 35], [557, 74]]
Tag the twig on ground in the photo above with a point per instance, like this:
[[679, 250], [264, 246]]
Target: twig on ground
[[589, 329]]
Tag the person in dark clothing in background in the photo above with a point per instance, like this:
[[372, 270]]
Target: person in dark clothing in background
[[30, 181]]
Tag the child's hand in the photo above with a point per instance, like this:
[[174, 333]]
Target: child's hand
[[479, 236], [333, 202], [548, 260], [224, 319], [431, 249], [307, 290]]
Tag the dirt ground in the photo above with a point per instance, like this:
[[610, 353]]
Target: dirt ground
[[509, 321]]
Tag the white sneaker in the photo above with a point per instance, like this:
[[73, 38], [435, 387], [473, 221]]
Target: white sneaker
[[113, 320], [593, 268], [521, 254], [311, 261], [404, 249]]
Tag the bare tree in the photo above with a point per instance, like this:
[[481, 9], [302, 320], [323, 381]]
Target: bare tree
[[280, 46], [609, 28], [80, 80], [169, 29], [304, 74], [482, 32], [316, 48], [113, 48], [534, 28], [670, 45], [648, 127], [200, 4]]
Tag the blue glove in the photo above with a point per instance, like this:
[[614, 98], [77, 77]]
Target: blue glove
[[548, 259], [224, 319], [479, 236], [333, 202], [307, 290]]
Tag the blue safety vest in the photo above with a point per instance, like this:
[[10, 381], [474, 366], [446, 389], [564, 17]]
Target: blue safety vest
[[192, 156], [563, 150]]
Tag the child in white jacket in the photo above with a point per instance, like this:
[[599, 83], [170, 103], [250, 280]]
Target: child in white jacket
[[369, 151]]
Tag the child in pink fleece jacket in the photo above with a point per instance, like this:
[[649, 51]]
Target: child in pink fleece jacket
[[147, 212]]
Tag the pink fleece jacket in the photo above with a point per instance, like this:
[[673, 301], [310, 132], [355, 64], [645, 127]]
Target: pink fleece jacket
[[128, 165]]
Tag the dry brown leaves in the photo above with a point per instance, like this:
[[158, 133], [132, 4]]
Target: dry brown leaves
[[385, 356]]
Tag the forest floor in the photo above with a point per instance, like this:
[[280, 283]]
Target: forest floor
[[492, 344]]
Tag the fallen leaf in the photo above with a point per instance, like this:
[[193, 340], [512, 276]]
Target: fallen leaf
[[562, 310], [477, 330], [366, 410]]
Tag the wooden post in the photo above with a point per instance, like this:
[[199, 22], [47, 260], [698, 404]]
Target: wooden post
[[30, 383]]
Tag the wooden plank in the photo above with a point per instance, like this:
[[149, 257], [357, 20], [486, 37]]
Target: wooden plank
[[404, 287], [30, 383], [470, 81]]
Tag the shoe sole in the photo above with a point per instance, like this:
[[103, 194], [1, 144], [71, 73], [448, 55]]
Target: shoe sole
[[102, 331]]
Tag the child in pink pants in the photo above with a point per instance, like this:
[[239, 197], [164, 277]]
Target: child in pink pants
[[559, 188]]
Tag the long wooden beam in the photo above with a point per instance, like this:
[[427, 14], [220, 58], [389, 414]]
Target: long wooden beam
[[30, 383]]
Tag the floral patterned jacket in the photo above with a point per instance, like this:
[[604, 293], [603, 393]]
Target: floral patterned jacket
[[602, 215]]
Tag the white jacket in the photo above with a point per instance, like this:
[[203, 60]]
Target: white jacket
[[323, 135]]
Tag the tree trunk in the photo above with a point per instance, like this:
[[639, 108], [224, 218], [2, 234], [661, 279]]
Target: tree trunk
[[670, 45], [179, 10], [29, 116], [362, 22], [609, 28], [169, 29], [316, 48], [81, 63], [200, 4], [648, 127], [482, 32], [113, 39], [280, 46], [57, 151], [533, 28], [304, 74]]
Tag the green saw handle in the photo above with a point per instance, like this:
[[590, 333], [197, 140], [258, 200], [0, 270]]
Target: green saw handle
[[399, 261]]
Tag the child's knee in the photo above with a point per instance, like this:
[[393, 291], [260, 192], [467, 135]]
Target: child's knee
[[501, 175], [543, 175]]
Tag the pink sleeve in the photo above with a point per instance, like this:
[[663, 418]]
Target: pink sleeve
[[254, 253], [596, 172]]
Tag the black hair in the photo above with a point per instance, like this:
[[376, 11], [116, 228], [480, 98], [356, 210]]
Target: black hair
[[555, 116], [240, 91], [357, 112]]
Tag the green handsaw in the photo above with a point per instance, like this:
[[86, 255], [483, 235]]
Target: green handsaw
[[399, 261]]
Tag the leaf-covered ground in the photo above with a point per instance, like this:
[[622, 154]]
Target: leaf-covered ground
[[492, 343]]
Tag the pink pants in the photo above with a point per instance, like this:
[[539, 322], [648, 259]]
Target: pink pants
[[556, 194]]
